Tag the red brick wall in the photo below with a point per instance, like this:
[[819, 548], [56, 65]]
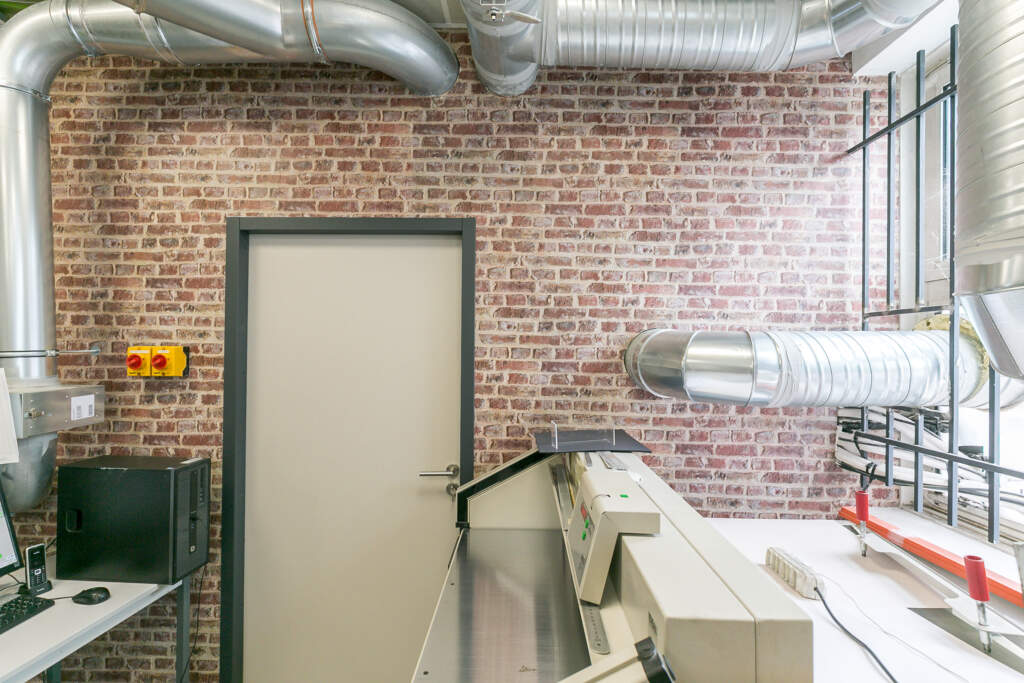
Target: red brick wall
[[606, 203]]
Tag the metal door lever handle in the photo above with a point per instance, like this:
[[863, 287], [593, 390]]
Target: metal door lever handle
[[450, 471]]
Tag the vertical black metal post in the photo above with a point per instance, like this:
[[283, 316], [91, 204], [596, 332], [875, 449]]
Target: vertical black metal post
[[890, 244], [918, 464], [919, 158], [993, 454], [181, 649], [890, 199], [865, 285], [954, 306]]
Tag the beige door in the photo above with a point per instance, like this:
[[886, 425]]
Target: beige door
[[353, 388]]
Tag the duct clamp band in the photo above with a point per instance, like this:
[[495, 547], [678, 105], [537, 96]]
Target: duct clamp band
[[87, 47], [28, 91]]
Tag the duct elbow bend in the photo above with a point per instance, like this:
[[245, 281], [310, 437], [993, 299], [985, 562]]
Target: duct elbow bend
[[504, 48], [389, 38], [34, 46], [833, 29]]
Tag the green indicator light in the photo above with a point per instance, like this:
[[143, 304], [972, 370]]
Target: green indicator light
[[586, 524], [623, 495], [584, 535]]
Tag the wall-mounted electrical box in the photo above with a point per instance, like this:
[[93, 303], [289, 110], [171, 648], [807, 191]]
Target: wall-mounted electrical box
[[157, 361], [49, 408]]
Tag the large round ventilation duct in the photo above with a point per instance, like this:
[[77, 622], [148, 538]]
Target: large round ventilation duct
[[731, 35], [35, 45], [837, 369], [990, 177]]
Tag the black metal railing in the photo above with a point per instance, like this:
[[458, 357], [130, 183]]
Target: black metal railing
[[953, 460]]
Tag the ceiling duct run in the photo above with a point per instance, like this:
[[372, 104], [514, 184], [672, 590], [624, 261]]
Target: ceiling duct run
[[511, 41], [36, 44], [990, 177], [833, 369]]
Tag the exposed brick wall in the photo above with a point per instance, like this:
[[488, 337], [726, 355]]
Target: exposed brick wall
[[606, 203]]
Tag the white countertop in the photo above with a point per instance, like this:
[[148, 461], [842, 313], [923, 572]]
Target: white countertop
[[37, 644], [882, 589]]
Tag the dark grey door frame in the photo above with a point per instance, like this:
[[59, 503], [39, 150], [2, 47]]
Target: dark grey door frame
[[236, 319]]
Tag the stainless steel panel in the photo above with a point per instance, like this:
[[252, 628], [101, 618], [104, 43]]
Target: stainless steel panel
[[49, 408], [561, 483], [990, 176], [27, 481], [508, 612]]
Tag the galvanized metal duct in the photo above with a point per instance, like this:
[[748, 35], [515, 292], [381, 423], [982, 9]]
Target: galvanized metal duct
[[34, 46], [990, 177], [379, 34], [736, 35], [838, 369]]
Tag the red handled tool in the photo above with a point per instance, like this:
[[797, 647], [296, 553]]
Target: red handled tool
[[863, 504], [977, 586]]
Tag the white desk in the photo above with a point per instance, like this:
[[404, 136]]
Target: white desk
[[883, 590], [39, 644]]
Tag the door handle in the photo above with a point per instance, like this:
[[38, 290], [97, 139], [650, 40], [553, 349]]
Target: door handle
[[450, 471]]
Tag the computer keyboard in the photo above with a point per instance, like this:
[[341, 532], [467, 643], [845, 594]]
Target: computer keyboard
[[21, 609]]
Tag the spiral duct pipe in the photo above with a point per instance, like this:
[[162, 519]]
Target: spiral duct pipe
[[990, 177], [34, 46], [735, 35], [379, 34], [836, 369]]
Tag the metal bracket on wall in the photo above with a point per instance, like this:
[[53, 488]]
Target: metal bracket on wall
[[497, 13], [93, 350]]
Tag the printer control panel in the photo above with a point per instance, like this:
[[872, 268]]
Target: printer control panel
[[607, 503]]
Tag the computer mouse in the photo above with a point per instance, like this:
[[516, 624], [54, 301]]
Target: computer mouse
[[92, 596]]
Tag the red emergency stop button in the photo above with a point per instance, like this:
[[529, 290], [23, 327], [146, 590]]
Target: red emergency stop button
[[134, 361], [159, 362]]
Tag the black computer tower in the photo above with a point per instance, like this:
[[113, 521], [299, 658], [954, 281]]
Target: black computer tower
[[132, 518]]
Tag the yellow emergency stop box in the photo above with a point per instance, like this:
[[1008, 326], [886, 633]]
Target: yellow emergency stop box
[[169, 361], [137, 361], [157, 361]]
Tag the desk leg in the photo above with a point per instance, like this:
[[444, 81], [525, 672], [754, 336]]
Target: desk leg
[[184, 613], [53, 674]]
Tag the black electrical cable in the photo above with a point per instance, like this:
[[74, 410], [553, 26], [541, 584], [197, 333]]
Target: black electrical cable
[[195, 628], [855, 639]]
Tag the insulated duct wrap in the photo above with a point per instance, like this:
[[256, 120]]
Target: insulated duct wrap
[[837, 369], [990, 177], [727, 35]]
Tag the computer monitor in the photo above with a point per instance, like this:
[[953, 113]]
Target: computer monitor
[[10, 557]]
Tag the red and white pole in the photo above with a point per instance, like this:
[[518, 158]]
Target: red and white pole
[[977, 586]]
